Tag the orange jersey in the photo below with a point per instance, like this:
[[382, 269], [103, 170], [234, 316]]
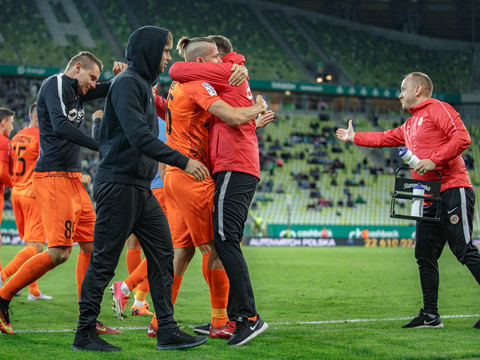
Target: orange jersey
[[187, 118], [25, 149]]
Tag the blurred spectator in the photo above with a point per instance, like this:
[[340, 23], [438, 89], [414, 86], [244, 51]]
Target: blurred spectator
[[280, 189], [469, 161], [360, 200]]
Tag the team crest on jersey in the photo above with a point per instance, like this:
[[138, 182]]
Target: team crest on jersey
[[210, 89], [76, 116], [454, 219], [249, 94]]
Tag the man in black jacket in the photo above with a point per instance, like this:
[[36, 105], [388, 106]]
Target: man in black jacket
[[129, 151], [68, 211]]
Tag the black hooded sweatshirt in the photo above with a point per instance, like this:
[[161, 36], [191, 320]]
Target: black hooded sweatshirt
[[128, 137]]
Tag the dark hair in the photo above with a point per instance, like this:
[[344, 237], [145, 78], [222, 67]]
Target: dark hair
[[5, 113], [87, 59], [224, 45]]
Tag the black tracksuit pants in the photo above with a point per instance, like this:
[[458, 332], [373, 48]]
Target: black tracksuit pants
[[122, 210], [456, 212], [233, 194]]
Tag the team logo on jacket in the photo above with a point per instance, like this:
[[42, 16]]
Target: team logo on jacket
[[210, 89], [454, 219], [72, 115], [76, 116], [420, 121]]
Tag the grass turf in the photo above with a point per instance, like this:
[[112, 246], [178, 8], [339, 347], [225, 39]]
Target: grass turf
[[312, 298]]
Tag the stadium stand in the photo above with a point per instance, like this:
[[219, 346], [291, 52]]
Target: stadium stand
[[370, 60], [283, 26], [265, 58], [377, 61]]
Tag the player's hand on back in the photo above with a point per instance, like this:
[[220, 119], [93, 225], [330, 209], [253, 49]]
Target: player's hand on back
[[118, 67], [240, 74], [197, 170]]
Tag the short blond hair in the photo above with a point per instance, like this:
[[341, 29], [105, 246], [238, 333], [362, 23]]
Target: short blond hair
[[32, 110], [5, 113], [87, 59], [422, 79]]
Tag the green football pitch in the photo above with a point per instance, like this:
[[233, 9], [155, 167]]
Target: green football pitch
[[320, 303]]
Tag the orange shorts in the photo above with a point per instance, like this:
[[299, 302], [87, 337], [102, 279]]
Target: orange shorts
[[159, 193], [67, 211], [189, 206], [28, 216]]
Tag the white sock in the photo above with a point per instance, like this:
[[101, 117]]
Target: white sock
[[125, 289], [139, 303]]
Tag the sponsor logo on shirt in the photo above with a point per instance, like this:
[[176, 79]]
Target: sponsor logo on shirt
[[210, 89]]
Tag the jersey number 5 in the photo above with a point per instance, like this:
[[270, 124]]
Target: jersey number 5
[[20, 160]]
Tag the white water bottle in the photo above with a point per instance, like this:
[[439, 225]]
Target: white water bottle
[[407, 156], [417, 204]]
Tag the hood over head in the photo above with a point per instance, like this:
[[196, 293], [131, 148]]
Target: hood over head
[[145, 50]]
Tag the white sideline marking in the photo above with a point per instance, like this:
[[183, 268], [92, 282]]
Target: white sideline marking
[[275, 323]]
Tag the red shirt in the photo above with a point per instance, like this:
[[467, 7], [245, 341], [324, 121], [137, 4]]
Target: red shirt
[[435, 132], [5, 162], [232, 148]]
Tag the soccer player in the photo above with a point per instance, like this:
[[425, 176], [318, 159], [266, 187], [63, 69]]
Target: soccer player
[[129, 151], [234, 161], [25, 148], [187, 129], [6, 127], [436, 135], [134, 259], [189, 204], [67, 210]]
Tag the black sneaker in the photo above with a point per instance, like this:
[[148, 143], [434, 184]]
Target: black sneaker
[[477, 325], [91, 341], [246, 330], [202, 329], [425, 320], [172, 339]]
